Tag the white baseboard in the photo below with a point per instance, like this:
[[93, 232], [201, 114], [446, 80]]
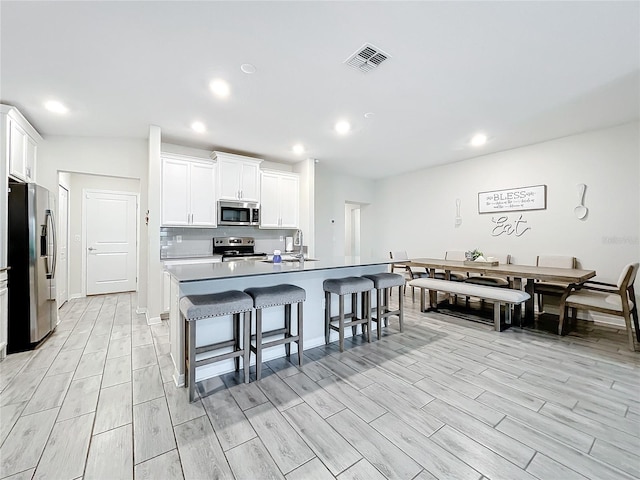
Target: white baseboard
[[73, 296], [141, 310], [153, 320], [178, 379]]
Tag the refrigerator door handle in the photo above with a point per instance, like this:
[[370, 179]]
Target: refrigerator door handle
[[55, 243], [43, 239]]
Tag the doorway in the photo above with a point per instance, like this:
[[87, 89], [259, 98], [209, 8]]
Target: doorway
[[110, 247], [352, 229], [62, 273]]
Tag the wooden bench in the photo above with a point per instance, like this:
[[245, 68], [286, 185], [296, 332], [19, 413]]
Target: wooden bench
[[497, 295]]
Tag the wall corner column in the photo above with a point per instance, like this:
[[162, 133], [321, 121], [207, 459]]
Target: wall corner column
[[154, 267]]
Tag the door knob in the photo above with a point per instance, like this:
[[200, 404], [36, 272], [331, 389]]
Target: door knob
[[91, 249]]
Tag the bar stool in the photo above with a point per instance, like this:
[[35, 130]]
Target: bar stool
[[341, 287], [383, 284], [199, 307], [265, 297]]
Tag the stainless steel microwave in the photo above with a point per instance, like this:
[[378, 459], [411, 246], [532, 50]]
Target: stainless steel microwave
[[238, 213]]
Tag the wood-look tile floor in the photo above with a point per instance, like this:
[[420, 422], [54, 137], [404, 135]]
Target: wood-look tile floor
[[447, 398]]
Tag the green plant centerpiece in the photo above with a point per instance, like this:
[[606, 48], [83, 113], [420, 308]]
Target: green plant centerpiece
[[473, 254]]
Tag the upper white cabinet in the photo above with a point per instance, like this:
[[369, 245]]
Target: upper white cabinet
[[238, 177], [280, 204], [188, 191], [20, 141]]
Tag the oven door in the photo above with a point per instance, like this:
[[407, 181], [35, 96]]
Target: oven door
[[236, 213]]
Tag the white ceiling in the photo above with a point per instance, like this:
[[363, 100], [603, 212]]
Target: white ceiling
[[523, 72]]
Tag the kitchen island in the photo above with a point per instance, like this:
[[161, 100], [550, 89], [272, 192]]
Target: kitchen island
[[197, 279]]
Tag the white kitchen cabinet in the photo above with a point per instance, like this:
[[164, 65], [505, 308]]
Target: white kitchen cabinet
[[166, 292], [188, 191], [238, 177], [166, 277], [21, 145], [279, 199]]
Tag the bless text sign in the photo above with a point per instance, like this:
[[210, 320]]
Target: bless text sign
[[513, 199]]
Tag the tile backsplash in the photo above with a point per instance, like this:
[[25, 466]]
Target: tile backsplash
[[176, 242]]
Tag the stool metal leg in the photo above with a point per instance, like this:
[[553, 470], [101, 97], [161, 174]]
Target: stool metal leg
[[186, 350], [300, 348], [387, 303], [236, 339], [287, 327], [341, 322], [192, 362], [246, 342], [379, 311], [401, 307], [327, 317], [354, 309], [258, 343], [363, 309], [367, 312]]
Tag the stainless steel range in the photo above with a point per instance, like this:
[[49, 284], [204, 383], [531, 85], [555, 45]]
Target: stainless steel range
[[236, 248]]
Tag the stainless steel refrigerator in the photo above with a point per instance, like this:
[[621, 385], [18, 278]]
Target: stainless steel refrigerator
[[33, 310]]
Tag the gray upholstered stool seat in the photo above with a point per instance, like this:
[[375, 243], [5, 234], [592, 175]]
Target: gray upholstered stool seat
[[265, 297], [383, 283], [344, 286], [198, 307], [341, 287]]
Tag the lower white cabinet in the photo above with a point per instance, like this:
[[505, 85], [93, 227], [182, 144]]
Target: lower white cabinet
[[188, 191], [166, 292], [166, 277], [4, 318], [279, 199]]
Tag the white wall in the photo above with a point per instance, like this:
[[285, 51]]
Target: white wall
[[111, 157], [306, 169], [332, 191], [77, 183]]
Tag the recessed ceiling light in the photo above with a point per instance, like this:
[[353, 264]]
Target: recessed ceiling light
[[198, 127], [298, 149], [478, 139], [343, 127], [248, 68], [220, 87], [56, 107], [369, 115]]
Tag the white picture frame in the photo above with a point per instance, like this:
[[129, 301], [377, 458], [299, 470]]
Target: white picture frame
[[513, 199]]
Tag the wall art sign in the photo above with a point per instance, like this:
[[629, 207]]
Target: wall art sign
[[506, 226], [513, 199]]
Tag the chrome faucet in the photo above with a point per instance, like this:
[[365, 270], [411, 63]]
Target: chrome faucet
[[298, 239]]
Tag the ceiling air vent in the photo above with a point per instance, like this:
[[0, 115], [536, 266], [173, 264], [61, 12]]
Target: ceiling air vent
[[366, 58]]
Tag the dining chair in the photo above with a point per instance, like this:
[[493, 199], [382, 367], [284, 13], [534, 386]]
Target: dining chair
[[458, 256], [613, 299], [503, 259], [479, 279], [410, 273], [555, 289]]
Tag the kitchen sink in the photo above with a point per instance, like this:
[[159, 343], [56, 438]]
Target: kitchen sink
[[291, 260]]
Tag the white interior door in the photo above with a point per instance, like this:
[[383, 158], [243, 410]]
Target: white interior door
[[351, 229], [110, 232], [62, 268]]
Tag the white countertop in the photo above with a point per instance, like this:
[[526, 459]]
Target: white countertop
[[189, 260], [214, 271]]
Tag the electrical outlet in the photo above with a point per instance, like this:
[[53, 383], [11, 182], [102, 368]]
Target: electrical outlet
[[178, 238], [77, 238], [281, 238]]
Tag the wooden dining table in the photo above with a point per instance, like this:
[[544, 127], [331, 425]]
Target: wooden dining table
[[527, 274]]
